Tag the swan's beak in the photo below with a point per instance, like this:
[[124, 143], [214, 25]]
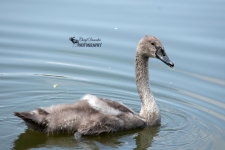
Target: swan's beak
[[161, 54]]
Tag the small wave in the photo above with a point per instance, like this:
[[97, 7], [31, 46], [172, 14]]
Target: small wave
[[179, 129]]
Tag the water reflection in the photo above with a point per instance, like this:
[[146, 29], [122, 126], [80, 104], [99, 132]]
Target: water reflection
[[142, 137]]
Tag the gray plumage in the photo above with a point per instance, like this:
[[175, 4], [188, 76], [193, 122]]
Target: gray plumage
[[93, 115]]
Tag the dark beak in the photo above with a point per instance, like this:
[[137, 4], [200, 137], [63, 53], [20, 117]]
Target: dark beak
[[161, 54]]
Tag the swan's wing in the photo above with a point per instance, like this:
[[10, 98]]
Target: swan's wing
[[119, 106], [111, 116], [106, 106]]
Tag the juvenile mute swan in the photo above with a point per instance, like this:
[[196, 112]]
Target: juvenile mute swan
[[93, 115]]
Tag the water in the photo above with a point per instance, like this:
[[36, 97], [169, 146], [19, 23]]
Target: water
[[35, 54]]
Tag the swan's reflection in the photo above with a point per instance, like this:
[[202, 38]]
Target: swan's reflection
[[139, 138]]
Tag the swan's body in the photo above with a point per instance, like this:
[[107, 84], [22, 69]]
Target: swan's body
[[93, 115]]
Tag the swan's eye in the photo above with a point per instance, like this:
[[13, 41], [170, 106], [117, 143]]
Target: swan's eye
[[153, 44]]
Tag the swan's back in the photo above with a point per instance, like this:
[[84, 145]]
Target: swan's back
[[90, 115]]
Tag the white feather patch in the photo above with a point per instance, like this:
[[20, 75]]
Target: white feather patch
[[100, 105]]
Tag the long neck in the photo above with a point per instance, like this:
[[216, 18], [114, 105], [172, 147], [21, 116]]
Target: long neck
[[149, 110]]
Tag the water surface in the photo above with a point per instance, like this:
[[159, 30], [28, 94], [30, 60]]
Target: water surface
[[35, 54]]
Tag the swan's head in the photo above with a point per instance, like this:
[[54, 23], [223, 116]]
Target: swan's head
[[150, 46]]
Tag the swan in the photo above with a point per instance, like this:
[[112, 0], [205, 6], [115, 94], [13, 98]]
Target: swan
[[94, 115]]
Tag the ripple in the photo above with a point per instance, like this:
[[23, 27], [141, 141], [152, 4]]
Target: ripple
[[179, 128]]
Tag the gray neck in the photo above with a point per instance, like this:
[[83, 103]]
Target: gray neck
[[142, 81], [149, 110]]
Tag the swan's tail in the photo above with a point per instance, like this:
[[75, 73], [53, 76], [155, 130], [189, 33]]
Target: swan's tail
[[34, 120]]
